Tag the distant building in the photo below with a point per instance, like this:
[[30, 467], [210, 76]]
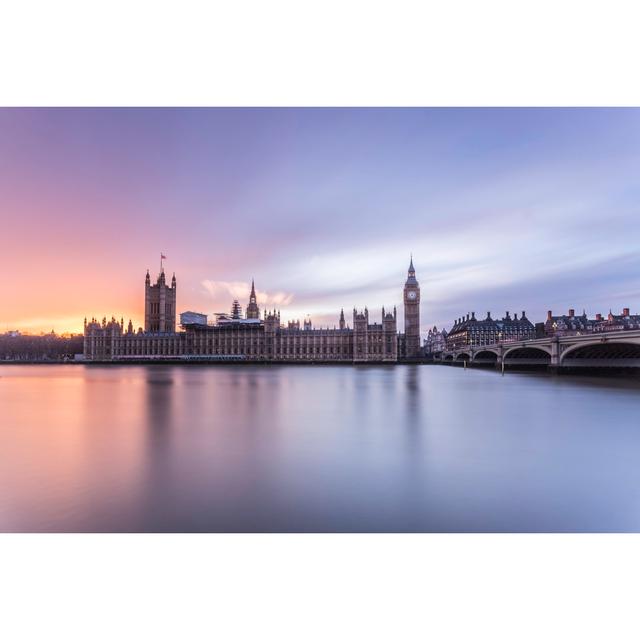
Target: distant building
[[470, 331], [435, 342], [192, 317], [623, 322], [571, 324], [252, 338], [567, 325]]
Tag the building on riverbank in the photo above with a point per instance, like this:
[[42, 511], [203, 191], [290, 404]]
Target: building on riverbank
[[435, 342], [624, 322], [469, 331], [569, 324], [572, 324], [252, 338]]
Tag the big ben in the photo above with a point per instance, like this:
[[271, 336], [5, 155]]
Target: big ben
[[412, 313]]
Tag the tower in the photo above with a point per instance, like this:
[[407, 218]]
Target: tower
[[236, 310], [342, 322], [160, 304], [360, 335], [412, 313], [389, 336], [253, 311]]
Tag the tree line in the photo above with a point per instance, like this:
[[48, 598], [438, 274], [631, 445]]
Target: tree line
[[40, 348]]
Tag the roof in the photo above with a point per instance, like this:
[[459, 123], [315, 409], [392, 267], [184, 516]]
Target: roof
[[473, 323]]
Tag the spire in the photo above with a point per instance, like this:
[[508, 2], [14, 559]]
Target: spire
[[253, 311], [411, 275]]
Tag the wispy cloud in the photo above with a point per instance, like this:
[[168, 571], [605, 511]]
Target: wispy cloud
[[225, 291], [508, 208]]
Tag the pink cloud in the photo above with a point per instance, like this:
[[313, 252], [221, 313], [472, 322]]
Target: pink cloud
[[223, 290]]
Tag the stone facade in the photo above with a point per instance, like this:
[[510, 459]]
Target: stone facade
[[159, 305], [253, 338], [411, 314], [377, 342], [265, 341], [253, 312], [436, 342]]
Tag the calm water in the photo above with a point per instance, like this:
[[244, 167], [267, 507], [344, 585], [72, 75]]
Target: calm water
[[244, 448]]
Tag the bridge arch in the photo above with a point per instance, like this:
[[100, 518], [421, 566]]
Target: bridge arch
[[463, 356], [602, 354], [485, 355], [448, 357], [533, 351], [529, 355]]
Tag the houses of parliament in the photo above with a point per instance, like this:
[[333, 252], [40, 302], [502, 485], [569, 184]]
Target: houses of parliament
[[253, 337]]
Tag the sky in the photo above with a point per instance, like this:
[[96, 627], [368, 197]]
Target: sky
[[503, 209]]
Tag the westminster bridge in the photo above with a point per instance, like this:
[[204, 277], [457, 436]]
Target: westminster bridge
[[620, 349]]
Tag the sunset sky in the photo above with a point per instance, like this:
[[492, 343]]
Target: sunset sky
[[512, 209]]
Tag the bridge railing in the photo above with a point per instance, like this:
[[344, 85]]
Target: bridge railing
[[578, 337]]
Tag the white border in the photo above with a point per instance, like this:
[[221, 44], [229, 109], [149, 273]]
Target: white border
[[322, 54], [312, 586], [346, 52]]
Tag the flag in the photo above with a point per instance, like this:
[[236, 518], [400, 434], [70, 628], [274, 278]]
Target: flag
[[163, 257]]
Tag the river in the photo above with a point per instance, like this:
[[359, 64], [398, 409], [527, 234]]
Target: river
[[244, 448]]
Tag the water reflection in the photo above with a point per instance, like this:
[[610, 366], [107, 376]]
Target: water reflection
[[156, 466], [250, 448]]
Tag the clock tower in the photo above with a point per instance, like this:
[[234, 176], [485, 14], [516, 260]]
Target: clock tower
[[412, 313]]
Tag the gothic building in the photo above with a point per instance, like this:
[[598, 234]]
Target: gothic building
[[253, 312], [159, 305], [374, 341], [412, 314], [251, 338], [436, 342]]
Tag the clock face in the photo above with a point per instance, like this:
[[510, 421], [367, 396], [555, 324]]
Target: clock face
[[411, 295]]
